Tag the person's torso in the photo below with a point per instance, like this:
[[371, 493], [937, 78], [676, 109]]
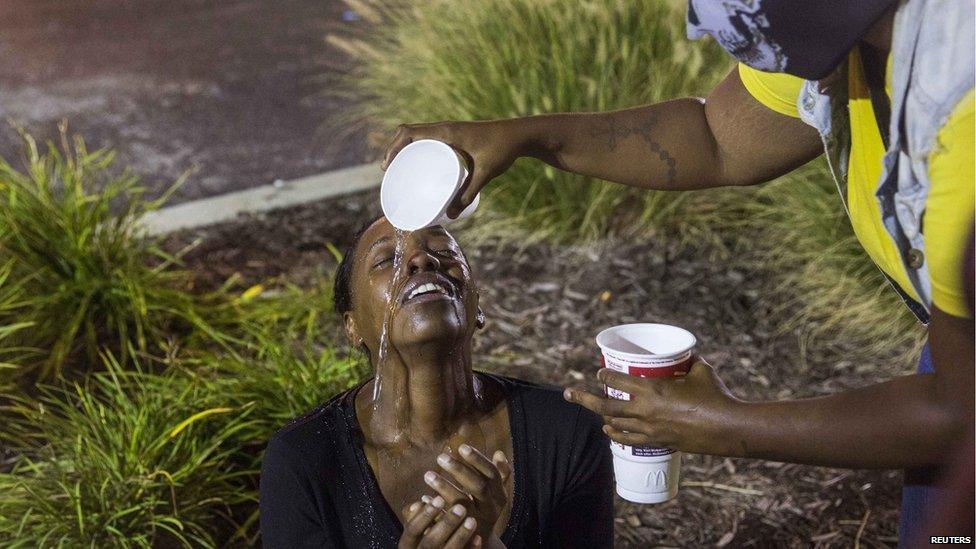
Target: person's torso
[[864, 170], [351, 507]]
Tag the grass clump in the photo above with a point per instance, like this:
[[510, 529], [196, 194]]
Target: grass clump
[[123, 458], [485, 59], [76, 271], [824, 283]]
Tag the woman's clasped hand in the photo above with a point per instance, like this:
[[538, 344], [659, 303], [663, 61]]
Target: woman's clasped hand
[[471, 495]]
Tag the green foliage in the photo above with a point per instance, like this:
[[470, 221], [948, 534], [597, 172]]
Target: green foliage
[[484, 59], [77, 272], [124, 458], [131, 450], [136, 458], [282, 380]]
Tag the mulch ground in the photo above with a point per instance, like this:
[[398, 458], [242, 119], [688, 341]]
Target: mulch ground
[[544, 305]]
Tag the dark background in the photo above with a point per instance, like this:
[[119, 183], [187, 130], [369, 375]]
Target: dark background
[[239, 89]]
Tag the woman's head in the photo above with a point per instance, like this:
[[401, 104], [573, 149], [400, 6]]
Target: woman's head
[[432, 302]]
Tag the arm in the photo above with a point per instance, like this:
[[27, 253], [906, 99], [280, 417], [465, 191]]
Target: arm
[[906, 422], [728, 138]]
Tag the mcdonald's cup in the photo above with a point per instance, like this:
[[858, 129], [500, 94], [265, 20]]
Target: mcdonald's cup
[[645, 474]]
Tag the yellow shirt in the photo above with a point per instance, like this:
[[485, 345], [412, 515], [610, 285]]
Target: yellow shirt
[[951, 202]]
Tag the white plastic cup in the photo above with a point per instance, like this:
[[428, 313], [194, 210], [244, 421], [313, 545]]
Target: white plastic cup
[[646, 474], [420, 183]]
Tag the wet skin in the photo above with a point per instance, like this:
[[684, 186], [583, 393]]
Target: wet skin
[[429, 402]]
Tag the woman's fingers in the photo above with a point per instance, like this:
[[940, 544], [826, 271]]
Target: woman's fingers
[[409, 511], [413, 531], [467, 478], [630, 439], [450, 493], [479, 461], [400, 140], [445, 528], [502, 464], [619, 380], [602, 405], [469, 189], [629, 424], [464, 534], [408, 133]]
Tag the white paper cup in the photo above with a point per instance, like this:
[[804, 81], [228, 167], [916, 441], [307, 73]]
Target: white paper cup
[[645, 474], [420, 183]]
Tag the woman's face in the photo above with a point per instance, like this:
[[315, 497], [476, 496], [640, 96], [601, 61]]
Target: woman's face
[[432, 300]]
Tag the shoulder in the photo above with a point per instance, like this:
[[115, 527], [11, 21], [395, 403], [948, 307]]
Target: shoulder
[[311, 435], [544, 408], [777, 91]]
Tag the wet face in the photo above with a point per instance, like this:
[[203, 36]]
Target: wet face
[[433, 297]]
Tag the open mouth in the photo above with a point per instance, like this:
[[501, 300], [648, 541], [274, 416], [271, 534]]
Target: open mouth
[[427, 289]]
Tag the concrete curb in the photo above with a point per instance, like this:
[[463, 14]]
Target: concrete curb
[[225, 207]]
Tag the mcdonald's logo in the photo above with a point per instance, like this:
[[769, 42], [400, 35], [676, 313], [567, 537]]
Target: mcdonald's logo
[[656, 478]]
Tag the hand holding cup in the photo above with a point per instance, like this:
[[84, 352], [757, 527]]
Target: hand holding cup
[[488, 147], [682, 413]]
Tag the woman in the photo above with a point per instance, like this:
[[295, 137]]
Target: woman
[[885, 89], [401, 459]]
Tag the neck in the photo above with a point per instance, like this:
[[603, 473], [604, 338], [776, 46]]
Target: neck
[[879, 35], [418, 396]]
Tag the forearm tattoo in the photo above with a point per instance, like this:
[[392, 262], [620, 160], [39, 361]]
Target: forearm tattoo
[[611, 133]]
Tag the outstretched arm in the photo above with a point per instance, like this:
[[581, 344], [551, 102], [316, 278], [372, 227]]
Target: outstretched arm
[[906, 422], [728, 138]]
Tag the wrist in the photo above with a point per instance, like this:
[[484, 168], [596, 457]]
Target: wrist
[[532, 136], [734, 429]]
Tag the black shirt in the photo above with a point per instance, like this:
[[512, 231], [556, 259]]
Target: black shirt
[[318, 490]]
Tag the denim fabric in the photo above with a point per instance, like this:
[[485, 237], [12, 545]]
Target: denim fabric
[[919, 493], [933, 68]]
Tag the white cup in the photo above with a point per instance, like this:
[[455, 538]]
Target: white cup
[[420, 183], [645, 474]]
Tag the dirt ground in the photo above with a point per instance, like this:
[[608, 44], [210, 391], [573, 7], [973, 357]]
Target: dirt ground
[[544, 305], [236, 89]]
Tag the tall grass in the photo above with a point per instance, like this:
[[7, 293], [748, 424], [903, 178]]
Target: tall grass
[[76, 270], [123, 458], [484, 59], [132, 458], [822, 281]]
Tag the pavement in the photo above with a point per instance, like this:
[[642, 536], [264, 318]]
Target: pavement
[[242, 91]]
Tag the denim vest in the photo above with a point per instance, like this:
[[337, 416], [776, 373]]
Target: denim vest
[[932, 69]]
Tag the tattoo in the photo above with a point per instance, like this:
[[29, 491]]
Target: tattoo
[[612, 134]]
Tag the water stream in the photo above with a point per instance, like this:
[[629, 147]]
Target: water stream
[[385, 334]]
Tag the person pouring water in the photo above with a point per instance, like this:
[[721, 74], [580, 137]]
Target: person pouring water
[[884, 89]]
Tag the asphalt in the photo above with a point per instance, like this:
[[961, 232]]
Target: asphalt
[[241, 91]]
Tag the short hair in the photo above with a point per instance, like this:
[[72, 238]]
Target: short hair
[[342, 287]]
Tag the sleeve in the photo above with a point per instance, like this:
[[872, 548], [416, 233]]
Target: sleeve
[[286, 503], [583, 515], [775, 90], [949, 209]]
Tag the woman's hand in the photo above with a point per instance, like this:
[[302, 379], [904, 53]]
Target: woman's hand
[[489, 147], [690, 413], [475, 482], [428, 525]]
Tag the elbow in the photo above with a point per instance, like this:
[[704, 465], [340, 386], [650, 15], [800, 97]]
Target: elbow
[[949, 424]]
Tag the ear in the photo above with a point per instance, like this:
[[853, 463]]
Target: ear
[[352, 332]]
